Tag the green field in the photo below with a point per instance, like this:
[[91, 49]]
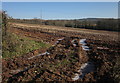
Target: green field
[[14, 45]]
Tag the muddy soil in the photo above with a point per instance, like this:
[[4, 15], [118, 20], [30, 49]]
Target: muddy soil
[[61, 61]]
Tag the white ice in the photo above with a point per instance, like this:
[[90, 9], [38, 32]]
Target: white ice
[[84, 69], [40, 55], [84, 47], [74, 45], [60, 39], [82, 41], [76, 77]]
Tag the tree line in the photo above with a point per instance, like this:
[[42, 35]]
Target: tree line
[[96, 23]]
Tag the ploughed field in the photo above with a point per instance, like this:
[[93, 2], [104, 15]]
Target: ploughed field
[[75, 55]]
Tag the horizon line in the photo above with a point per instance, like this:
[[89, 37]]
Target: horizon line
[[72, 18]]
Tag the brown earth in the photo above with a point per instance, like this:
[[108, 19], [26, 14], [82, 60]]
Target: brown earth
[[64, 59]]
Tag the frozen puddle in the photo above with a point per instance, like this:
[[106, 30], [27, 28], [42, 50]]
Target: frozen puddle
[[83, 42], [102, 48], [58, 41], [45, 53], [86, 48], [73, 43], [76, 77], [84, 69]]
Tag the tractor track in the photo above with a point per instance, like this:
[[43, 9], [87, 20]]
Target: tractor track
[[45, 66]]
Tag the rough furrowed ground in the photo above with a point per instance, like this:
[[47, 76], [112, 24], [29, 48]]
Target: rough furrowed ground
[[70, 58]]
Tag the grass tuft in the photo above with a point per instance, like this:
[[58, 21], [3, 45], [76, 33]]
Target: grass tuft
[[14, 45]]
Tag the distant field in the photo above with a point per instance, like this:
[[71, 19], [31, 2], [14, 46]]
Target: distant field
[[87, 32]]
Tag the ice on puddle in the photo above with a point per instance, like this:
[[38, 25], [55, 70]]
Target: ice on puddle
[[84, 47], [31, 57], [82, 41], [76, 77], [57, 41], [60, 39], [73, 41], [84, 69], [40, 55], [74, 45], [44, 53]]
